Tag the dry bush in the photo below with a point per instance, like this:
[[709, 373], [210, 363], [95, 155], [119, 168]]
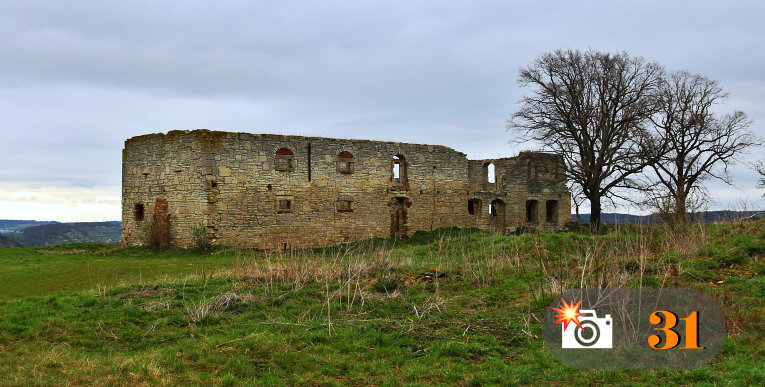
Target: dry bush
[[207, 307]]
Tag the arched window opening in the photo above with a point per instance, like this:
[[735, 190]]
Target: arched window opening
[[284, 160], [491, 177], [345, 163]]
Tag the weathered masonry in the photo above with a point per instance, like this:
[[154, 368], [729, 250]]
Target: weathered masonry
[[279, 192]]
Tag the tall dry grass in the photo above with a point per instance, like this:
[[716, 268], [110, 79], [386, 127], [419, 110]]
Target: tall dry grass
[[550, 264]]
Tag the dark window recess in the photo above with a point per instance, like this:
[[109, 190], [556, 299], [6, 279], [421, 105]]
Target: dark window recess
[[344, 205], [474, 206], [284, 160], [284, 206], [532, 211], [551, 215], [138, 211], [345, 163]]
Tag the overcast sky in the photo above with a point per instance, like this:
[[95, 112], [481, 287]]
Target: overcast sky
[[78, 78]]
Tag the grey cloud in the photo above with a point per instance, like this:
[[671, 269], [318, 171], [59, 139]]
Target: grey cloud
[[78, 78]]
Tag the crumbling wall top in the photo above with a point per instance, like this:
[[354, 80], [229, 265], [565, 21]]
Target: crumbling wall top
[[213, 138]]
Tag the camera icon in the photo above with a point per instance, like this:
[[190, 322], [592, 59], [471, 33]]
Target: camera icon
[[599, 332]]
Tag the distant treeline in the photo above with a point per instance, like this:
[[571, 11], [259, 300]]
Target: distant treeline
[[700, 217], [8, 225]]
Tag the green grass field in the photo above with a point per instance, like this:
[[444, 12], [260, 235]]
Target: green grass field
[[446, 307], [39, 271]]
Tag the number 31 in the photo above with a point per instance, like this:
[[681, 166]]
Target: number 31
[[672, 338]]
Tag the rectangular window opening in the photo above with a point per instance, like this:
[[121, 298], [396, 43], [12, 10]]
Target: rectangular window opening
[[139, 211], [551, 214], [344, 205], [284, 206], [284, 164], [345, 167], [474, 206], [532, 211]]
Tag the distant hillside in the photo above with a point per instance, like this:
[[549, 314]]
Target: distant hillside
[[7, 242], [7, 225], [703, 217], [57, 233]]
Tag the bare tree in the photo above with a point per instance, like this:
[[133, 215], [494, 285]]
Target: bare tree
[[578, 199], [699, 144], [594, 109]]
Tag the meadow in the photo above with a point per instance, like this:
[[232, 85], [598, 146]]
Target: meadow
[[444, 307], [40, 271]]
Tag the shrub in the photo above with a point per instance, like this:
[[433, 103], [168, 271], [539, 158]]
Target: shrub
[[201, 239]]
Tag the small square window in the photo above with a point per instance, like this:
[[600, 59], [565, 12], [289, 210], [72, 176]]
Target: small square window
[[345, 167], [284, 205], [284, 164], [344, 205]]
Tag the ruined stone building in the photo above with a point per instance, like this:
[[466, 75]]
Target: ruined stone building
[[269, 191]]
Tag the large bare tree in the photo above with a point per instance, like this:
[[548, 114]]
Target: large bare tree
[[700, 145], [594, 109]]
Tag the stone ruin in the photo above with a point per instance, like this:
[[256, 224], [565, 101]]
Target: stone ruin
[[268, 191]]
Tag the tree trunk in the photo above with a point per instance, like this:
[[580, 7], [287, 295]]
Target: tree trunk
[[578, 218], [595, 215], [680, 207]]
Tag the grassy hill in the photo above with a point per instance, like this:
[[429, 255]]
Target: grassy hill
[[58, 233], [445, 307]]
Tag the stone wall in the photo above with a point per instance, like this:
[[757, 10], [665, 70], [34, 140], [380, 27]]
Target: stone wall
[[280, 192]]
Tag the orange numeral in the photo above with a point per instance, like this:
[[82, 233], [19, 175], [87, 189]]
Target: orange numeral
[[692, 331], [672, 338]]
